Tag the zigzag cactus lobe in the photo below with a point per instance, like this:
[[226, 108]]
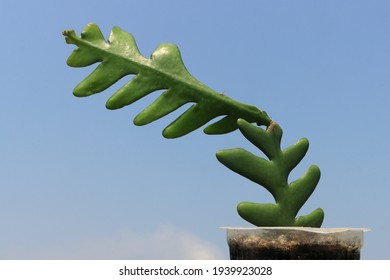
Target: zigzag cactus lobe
[[273, 174], [119, 57]]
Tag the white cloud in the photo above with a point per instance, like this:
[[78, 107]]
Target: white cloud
[[165, 242]]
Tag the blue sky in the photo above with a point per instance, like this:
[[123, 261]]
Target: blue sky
[[79, 181]]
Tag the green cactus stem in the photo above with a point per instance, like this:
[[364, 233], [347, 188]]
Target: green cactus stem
[[119, 57], [273, 174]]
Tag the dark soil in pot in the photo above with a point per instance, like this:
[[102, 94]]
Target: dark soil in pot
[[294, 244]]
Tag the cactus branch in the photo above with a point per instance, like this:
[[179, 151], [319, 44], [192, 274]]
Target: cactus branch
[[272, 174], [119, 56]]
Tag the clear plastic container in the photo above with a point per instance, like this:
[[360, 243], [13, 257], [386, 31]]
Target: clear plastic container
[[294, 243]]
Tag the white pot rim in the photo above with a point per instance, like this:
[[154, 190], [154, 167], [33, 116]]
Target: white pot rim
[[308, 229]]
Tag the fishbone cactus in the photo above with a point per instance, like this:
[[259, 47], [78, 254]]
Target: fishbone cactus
[[119, 57], [273, 175]]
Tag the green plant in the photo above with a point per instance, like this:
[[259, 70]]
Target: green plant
[[119, 57]]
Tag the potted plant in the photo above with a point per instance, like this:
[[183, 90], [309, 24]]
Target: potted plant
[[278, 232]]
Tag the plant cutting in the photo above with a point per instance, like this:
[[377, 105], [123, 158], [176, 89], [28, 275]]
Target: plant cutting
[[164, 70]]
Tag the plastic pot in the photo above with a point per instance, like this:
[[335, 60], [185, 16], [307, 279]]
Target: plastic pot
[[295, 243]]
